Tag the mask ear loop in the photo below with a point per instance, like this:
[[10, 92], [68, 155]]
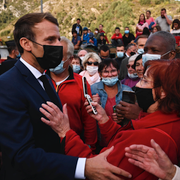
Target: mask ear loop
[[165, 53]]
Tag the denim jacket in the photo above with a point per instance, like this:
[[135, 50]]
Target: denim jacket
[[99, 88]]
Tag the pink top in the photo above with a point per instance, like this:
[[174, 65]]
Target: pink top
[[150, 20], [143, 26], [109, 105]]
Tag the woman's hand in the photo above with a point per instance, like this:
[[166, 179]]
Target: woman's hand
[[101, 115], [57, 120], [153, 160], [96, 98]]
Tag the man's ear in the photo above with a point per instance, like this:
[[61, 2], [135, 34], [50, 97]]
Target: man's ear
[[163, 94], [172, 55], [25, 44]]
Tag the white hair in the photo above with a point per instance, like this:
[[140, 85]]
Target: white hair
[[132, 58], [70, 46], [91, 55]]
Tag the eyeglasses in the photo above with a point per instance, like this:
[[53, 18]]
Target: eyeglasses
[[113, 72], [90, 63], [128, 66]]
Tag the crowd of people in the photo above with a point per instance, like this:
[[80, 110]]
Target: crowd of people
[[48, 129], [83, 37]]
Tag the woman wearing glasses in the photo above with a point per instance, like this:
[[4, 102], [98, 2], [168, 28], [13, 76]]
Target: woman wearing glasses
[[132, 78], [108, 92], [90, 62], [157, 94]]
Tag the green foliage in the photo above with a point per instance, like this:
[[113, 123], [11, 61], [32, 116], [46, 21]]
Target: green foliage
[[145, 2], [5, 33]]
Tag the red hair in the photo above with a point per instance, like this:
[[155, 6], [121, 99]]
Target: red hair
[[166, 76]]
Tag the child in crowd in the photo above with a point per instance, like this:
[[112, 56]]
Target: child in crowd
[[116, 39]]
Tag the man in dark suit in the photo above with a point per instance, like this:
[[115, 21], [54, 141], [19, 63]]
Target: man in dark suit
[[11, 59], [31, 149]]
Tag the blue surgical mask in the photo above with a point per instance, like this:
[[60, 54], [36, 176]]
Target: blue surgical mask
[[146, 57], [110, 81], [58, 69], [76, 68], [120, 54], [140, 51], [126, 31]]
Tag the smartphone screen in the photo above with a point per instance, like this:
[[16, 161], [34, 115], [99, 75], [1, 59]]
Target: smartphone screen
[[129, 97]]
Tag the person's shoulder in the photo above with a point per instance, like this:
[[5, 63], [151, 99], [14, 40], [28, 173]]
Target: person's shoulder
[[126, 88], [96, 85], [169, 16]]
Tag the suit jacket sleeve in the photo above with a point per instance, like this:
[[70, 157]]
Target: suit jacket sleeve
[[18, 145]]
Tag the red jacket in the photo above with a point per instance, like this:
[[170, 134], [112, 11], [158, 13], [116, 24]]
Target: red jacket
[[163, 128], [104, 35], [115, 37], [71, 92]]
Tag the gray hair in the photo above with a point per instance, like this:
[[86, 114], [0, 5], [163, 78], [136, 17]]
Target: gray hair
[[132, 58], [167, 37], [70, 46], [91, 55]]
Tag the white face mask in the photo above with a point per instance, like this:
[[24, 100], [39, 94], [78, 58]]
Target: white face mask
[[132, 76], [146, 57], [92, 69], [96, 32], [82, 58]]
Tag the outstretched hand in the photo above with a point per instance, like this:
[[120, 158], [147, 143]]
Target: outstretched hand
[[57, 120], [101, 115], [97, 168], [153, 160]]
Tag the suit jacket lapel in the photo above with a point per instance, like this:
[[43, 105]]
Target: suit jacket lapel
[[31, 80]]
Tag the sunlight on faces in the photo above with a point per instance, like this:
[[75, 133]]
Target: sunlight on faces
[[109, 72], [46, 33], [139, 68], [130, 69], [141, 43]]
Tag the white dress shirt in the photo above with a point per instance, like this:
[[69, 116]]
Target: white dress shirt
[[80, 167]]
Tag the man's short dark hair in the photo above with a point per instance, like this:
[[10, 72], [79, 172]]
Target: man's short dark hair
[[104, 48], [163, 9], [101, 25], [24, 26], [117, 28], [78, 19], [120, 45], [129, 46], [74, 31], [141, 36], [148, 11]]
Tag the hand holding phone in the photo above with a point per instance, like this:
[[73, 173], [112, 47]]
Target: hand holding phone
[[87, 96]]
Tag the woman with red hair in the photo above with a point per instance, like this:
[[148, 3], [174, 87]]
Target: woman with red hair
[[158, 94]]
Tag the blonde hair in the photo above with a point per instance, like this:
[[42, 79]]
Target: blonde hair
[[91, 55]]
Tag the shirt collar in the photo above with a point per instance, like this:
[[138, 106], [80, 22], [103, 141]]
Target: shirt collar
[[33, 70]]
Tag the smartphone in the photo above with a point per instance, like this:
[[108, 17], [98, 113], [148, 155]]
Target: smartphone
[[87, 96], [114, 109], [129, 97]]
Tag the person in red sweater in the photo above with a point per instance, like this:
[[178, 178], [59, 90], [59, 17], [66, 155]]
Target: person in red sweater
[[158, 95], [69, 87], [102, 31], [116, 39]]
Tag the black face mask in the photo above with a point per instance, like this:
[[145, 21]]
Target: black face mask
[[52, 56], [132, 53], [144, 98]]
